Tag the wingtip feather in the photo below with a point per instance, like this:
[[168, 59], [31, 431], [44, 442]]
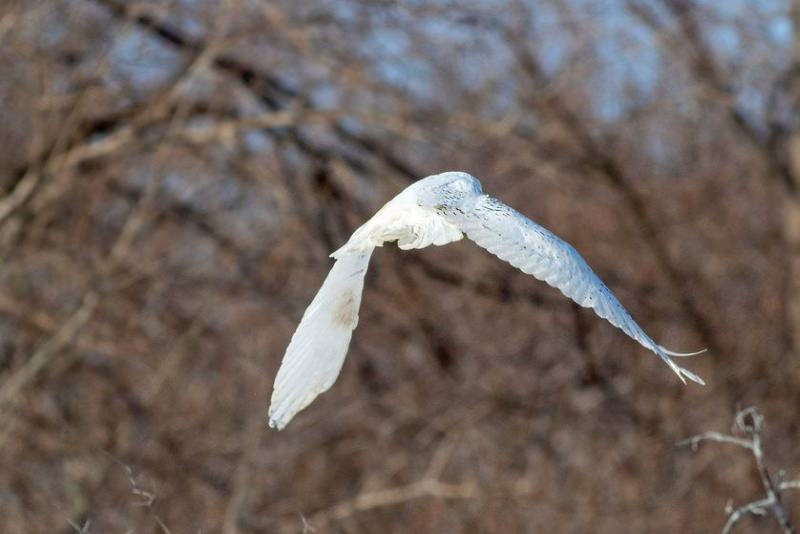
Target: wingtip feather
[[274, 423], [693, 377], [682, 373], [681, 354]]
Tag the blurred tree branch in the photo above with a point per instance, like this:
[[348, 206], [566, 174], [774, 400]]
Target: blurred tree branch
[[792, 216], [600, 159], [71, 327], [428, 486], [777, 141], [298, 121]]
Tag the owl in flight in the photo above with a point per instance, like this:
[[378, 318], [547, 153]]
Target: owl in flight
[[436, 210]]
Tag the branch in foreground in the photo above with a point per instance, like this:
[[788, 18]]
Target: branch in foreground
[[749, 423]]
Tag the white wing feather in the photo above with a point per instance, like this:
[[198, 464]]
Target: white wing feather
[[316, 352], [534, 250]]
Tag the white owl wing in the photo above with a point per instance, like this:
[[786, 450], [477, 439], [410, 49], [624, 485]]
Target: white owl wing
[[316, 352], [534, 250]]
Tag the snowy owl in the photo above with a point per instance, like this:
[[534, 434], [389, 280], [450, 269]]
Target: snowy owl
[[436, 210]]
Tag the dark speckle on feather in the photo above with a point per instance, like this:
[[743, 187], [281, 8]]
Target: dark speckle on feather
[[346, 311]]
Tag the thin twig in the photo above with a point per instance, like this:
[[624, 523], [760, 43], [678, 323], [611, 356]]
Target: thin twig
[[428, 486], [750, 422]]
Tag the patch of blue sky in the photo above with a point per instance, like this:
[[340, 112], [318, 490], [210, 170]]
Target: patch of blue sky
[[760, 63], [465, 47], [257, 142], [474, 48], [546, 22], [58, 29], [179, 185], [780, 30], [347, 14], [726, 41], [143, 61], [326, 96], [253, 140], [142, 173], [630, 65], [395, 64], [780, 34], [727, 18], [192, 17], [659, 150]]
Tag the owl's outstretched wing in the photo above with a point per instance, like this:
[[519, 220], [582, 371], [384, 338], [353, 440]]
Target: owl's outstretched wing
[[316, 352], [514, 238]]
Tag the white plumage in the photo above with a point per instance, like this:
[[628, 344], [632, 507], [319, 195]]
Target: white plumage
[[436, 210]]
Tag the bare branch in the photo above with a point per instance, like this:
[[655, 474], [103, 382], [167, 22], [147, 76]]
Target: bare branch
[[694, 441], [428, 486], [396, 495], [750, 422]]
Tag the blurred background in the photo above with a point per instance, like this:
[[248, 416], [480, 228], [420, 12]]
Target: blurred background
[[174, 174]]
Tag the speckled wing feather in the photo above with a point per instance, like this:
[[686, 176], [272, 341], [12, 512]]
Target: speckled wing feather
[[534, 250], [316, 352]]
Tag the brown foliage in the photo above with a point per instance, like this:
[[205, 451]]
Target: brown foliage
[[174, 174]]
